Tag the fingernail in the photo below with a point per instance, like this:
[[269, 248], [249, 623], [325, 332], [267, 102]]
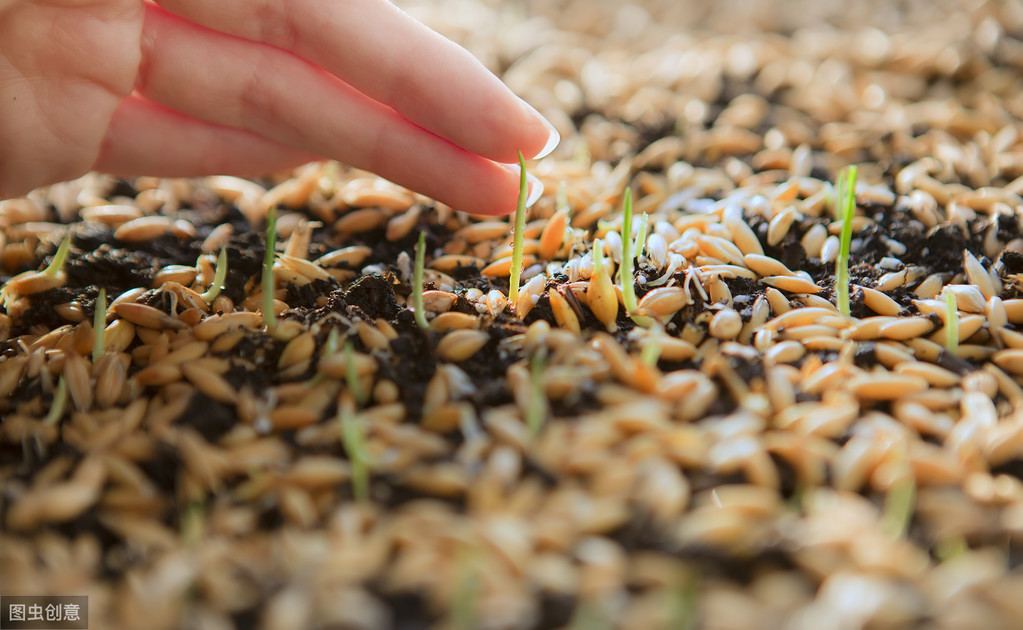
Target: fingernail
[[553, 137], [534, 186]]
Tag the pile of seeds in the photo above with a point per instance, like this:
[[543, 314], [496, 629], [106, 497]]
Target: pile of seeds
[[730, 452]]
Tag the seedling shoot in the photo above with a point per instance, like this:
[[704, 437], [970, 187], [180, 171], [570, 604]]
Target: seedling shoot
[[417, 283], [517, 236], [846, 203]]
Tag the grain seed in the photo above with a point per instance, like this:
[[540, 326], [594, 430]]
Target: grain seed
[[905, 328], [879, 302], [979, 276], [553, 235], [564, 315], [209, 383], [792, 284], [143, 229], [886, 385], [725, 324], [459, 345], [453, 320], [766, 266], [146, 316]]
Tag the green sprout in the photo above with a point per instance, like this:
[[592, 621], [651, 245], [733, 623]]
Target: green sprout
[[330, 348], [536, 410], [517, 237], [682, 603], [561, 199], [269, 317], [99, 326], [637, 248], [59, 258], [590, 616], [58, 404], [627, 269], [193, 522], [651, 352], [464, 607], [354, 441], [218, 277], [899, 501], [417, 283], [951, 548], [352, 376], [846, 206], [951, 323]]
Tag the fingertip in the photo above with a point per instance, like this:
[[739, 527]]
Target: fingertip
[[549, 136]]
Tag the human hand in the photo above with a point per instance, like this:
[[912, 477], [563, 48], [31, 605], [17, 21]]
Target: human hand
[[193, 87]]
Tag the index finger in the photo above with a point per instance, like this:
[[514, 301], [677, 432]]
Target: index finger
[[389, 56]]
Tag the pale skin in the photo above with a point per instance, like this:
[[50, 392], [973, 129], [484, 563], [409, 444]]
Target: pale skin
[[182, 88]]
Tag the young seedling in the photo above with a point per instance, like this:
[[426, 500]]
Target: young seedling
[[536, 411], [627, 270], [99, 327], [193, 522], [464, 607], [682, 603], [58, 404], [899, 500], [354, 441], [951, 323], [330, 348], [640, 243], [589, 615], [517, 237], [269, 317], [846, 205], [219, 275], [59, 258], [651, 351], [352, 376], [417, 283]]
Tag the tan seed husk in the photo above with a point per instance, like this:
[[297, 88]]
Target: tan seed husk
[[792, 284], [450, 262], [663, 303], [453, 320], [143, 229], [766, 266], [906, 328], [564, 315], [371, 337], [146, 316], [459, 345], [502, 267], [297, 350], [725, 324], [209, 383], [886, 386], [979, 276], [79, 382], [879, 302], [212, 327], [112, 215], [336, 365], [438, 301], [553, 235], [32, 282], [351, 257], [400, 225], [159, 374]]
